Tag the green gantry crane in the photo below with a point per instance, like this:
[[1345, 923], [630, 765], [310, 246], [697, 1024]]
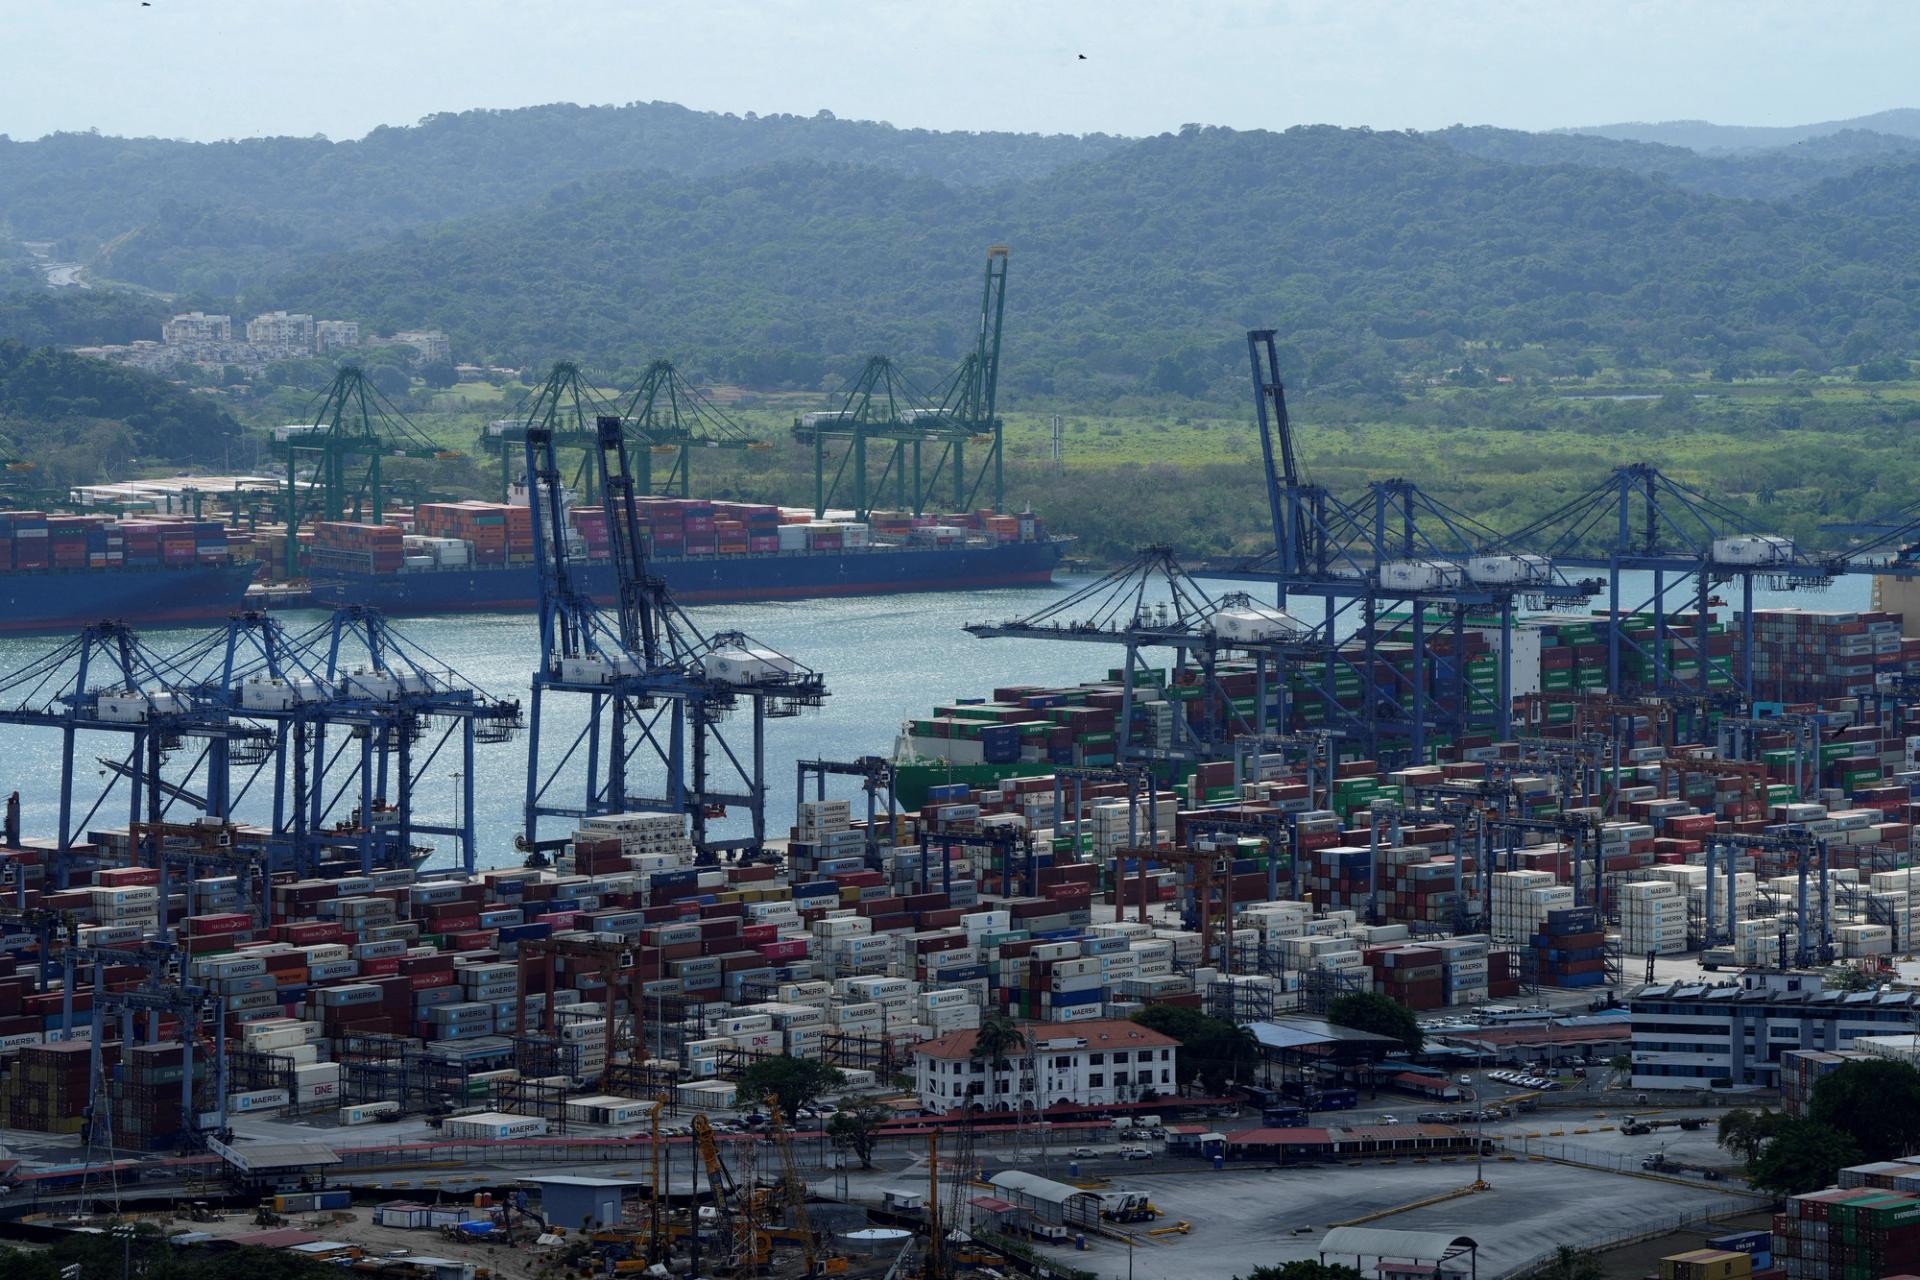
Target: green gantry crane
[[662, 414], [881, 405], [344, 440]]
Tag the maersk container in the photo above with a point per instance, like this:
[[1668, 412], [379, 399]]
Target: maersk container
[[368, 1112], [257, 1100], [495, 1125]]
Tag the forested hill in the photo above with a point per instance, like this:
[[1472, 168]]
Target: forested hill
[[299, 189], [1759, 174], [215, 219], [1702, 135], [80, 418], [1371, 252]]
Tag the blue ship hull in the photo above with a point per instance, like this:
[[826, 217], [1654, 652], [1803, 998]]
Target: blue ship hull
[[41, 600], [788, 575]]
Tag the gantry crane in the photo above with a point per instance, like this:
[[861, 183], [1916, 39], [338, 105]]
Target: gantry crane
[[613, 964], [666, 414], [565, 406], [1153, 605], [106, 680], [653, 682], [351, 424], [385, 706], [880, 404]]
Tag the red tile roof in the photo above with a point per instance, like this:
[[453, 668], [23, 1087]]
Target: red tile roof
[[1104, 1033]]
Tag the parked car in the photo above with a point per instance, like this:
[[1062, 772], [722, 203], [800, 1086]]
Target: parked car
[[1135, 1153], [1082, 1153], [1389, 1119]]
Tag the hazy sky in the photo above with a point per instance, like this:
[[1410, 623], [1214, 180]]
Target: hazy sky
[[236, 68]]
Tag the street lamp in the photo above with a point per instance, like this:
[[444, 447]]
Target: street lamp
[[1479, 1134]]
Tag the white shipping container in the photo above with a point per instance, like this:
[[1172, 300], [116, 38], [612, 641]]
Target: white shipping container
[[497, 1125], [258, 1100]]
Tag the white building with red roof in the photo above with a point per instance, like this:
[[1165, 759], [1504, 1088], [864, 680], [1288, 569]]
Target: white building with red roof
[[1096, 1063]]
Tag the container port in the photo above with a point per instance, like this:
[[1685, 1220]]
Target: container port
[[1487, 782]]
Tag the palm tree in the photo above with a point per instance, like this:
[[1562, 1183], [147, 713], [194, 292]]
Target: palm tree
[[998, 1037]]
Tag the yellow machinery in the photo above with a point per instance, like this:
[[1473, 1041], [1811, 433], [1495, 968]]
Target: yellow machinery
[[796, 1195]]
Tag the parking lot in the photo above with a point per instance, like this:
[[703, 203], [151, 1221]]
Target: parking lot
[[1242, 1217]]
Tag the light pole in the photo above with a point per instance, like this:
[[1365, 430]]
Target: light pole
[[1479, 1134]]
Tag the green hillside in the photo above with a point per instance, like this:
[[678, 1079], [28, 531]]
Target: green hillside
[[206, 216], [1378, 255], [80, 419]]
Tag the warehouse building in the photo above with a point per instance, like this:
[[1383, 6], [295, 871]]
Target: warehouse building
[[1084, 1063], [1732, 1035], [1047, 1201]]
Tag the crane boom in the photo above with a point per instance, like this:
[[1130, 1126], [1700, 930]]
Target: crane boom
[[1283, 484], [793, 1185], [638, 629]]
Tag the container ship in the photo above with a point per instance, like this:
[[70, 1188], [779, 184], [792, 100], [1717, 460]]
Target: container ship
[[478, 556], [62, 572]]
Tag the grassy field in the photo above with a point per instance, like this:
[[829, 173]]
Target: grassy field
[[1796, 454]]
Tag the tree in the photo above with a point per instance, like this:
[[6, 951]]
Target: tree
[[1804, 1155], [1380, 1014], [998, 1037], [857, 1129], [1302, 1270], [1885, 369], [439, 374], [1876, 1103], [792, 1082], [1569, 1263], [1745, 1132], [1213, 1050], [391, 379]]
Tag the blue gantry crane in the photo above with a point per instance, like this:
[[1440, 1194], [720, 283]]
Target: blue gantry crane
[[657, 690], [1151, 606], [1397, 567], [106, 681]]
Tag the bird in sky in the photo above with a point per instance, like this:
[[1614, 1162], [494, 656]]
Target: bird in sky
[[1083, 57]]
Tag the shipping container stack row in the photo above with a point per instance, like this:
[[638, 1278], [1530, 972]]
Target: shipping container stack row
[[1569, 949], [356, 548], [1807, 655], [955, 527], [31, 540], [1849, 1234]]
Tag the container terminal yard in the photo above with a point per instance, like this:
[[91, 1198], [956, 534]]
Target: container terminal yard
[[1585, 830]]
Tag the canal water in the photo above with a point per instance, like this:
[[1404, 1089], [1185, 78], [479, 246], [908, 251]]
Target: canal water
[[885, 658]]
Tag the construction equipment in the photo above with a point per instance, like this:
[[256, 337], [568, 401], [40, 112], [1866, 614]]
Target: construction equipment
[[719, 1186], [794, 1188]]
